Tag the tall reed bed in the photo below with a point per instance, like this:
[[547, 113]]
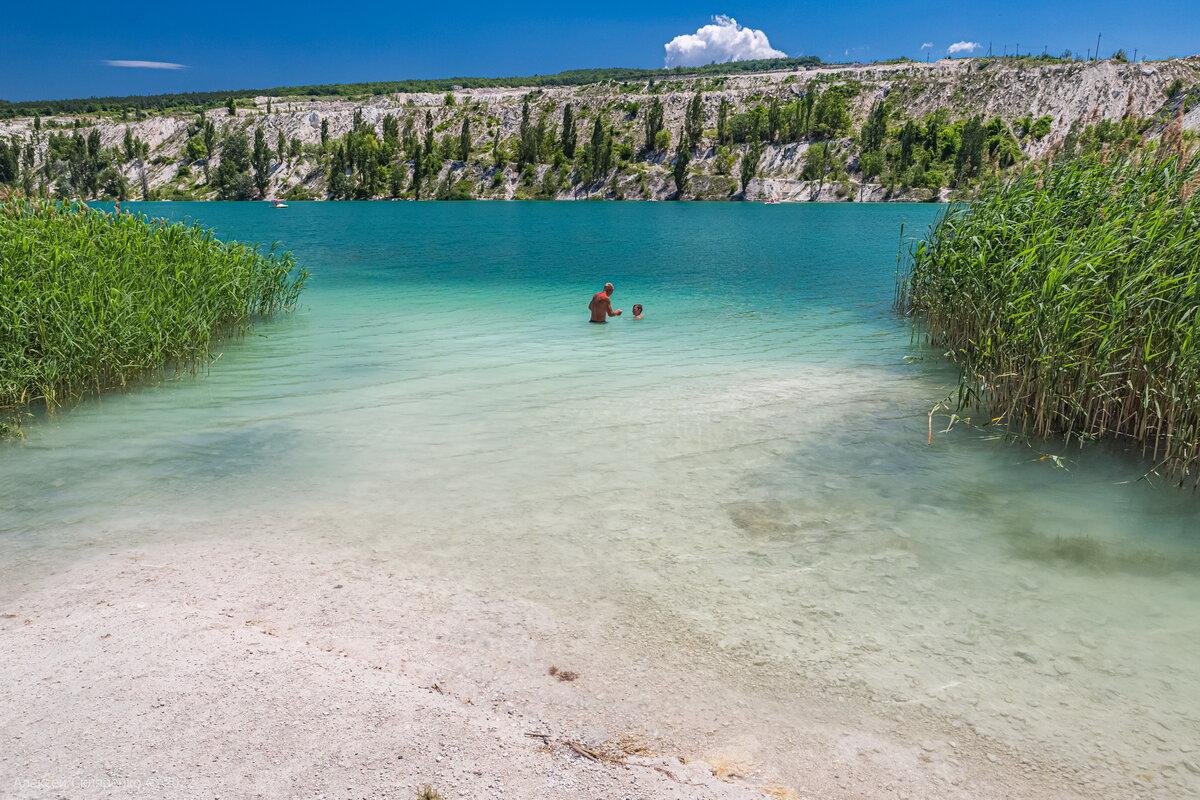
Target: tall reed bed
[[1070, 297], [91, 301]]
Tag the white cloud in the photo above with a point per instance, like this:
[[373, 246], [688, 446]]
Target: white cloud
[[926, 45], [720, 41], [962, 47], [144, 64]]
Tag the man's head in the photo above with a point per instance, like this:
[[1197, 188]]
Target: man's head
[[608, 289], [637, 309]]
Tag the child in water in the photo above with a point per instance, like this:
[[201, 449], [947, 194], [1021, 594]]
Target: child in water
[[637, 310]]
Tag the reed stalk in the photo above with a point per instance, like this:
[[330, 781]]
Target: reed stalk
[[92, 301], [1069, 295]]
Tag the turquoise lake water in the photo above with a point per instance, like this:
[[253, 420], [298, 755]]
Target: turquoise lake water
[[748, 463]]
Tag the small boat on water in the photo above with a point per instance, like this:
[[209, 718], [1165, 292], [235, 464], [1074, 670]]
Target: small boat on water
[[277, 203]]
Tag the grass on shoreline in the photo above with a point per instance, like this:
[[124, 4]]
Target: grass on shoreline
[[92, 301], [1069, 295]]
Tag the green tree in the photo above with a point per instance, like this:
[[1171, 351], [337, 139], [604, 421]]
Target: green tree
[[818, 162], [113, 184], [679, 169], [910, 136], [871, 163], [209, 132], [260, 160], [10, 161], [654, 123], [194, 149], [28, 160], [418, 178], [693, 123], [231, 107], [569, 135], [969, 159], [874, 130], [391, 137], [464, 139], [831, 112], [340, 187], [428, 146], [232, 178], [324, 132], [281, 146], [498, 158], [528, 139], [774, 120], [749, 166], [723, 137]]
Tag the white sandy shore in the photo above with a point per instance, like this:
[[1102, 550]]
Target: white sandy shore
[[271, 669]]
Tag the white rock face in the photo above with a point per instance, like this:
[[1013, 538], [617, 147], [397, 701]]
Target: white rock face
[[1083, 92]]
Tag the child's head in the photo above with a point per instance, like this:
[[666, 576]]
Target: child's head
[[637, 309]]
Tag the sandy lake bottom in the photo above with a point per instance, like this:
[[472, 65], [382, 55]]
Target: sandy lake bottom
[[736, 490]]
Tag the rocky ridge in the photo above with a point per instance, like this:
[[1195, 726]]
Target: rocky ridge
[[1068, 92]]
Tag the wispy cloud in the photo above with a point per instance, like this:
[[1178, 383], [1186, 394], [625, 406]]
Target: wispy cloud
[[926, 45], [143, 64], [719, 42], [962, 47]]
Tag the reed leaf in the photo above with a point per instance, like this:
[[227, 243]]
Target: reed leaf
[[92, 301], [1067, 294]]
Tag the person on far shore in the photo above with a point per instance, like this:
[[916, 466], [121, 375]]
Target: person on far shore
[[637, 311], [601, 306]]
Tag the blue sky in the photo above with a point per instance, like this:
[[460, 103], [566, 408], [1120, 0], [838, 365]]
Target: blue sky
[[50, 50]]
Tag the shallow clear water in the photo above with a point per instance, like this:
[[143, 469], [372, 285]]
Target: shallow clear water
[[749, 463]]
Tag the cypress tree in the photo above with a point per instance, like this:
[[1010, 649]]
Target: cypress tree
[[209, 132], [10, 168], [428, 148], [908, 139], [418, 171], [774, 120], [464, 139], [874, 130], [281, 146], [497, 152], [654, 123], [723, 137], [749, 167], [230, 107], [261, 161], [693, 125], [568, 131], [27, 168], [529, 139], [339, 185], [680, 169], [324, 132], [597, 135]]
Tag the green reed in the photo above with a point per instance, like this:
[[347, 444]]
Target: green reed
[[1069, 295], [91, 301]]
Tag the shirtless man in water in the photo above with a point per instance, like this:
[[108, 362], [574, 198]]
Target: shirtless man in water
[[601, 305]]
